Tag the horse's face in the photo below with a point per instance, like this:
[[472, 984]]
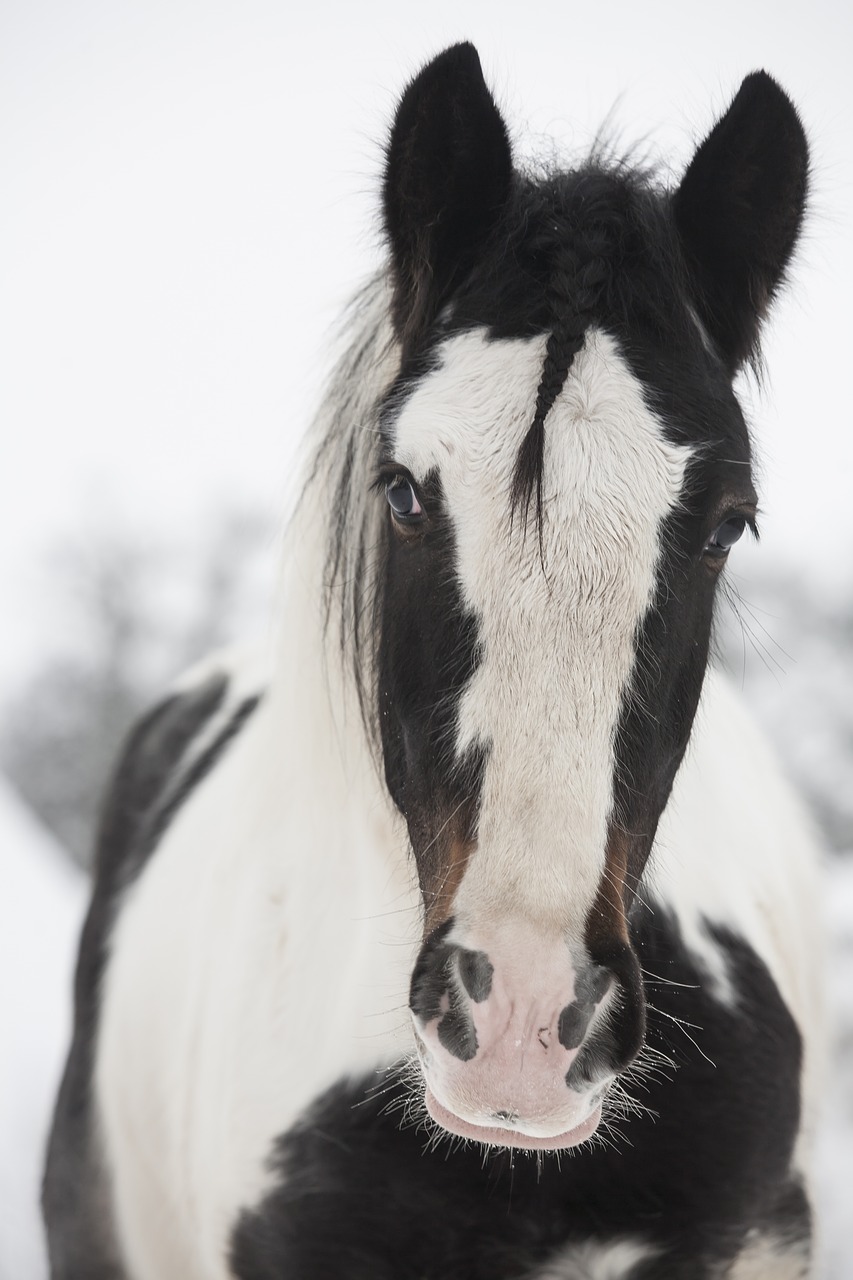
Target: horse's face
[[543, 636]]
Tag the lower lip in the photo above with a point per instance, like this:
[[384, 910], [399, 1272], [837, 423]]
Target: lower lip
[[510, 1137]]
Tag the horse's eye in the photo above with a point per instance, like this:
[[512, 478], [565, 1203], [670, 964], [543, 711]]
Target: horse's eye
[[725, 536], [402, 499]]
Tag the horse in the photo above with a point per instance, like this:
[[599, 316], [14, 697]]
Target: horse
[[472, 934]]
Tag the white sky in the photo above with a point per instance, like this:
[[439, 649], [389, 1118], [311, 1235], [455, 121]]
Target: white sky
[[189, 193]]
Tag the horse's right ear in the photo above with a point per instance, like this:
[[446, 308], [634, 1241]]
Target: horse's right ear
[[448, 172]]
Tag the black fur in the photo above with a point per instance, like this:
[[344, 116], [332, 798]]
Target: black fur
[[573, 1022], [431, 974], [739, 211], [148, 788], [428, 651], [434, 981], [456, 1031], [476, 970], [590, 987], [363, 1197], [448, 172], [616, 1039]]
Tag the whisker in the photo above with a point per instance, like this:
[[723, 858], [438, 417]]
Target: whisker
[[681, 1024]]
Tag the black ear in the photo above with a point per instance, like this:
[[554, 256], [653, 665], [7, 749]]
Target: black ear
[[448, 172], [739, 210]]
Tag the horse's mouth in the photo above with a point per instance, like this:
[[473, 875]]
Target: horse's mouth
[[508, 1133]]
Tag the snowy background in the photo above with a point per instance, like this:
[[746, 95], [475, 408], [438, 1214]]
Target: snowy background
[[189, 198]]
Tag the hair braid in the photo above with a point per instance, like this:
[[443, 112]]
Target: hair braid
[[575, 289]]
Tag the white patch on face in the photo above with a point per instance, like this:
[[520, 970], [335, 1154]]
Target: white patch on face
[[558, 647]]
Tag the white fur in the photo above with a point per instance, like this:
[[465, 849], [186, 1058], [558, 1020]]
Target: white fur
[[595, 1261], [766, 1258], [558, 646]]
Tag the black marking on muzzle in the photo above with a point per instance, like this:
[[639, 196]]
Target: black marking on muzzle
[[574, 1020], [591, 985], [618, 1034], [434, 981], [456, 1031], [431, 974], [475, 971]]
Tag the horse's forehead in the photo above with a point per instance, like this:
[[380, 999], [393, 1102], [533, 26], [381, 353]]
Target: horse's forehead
[[473, 407], [610, 476]]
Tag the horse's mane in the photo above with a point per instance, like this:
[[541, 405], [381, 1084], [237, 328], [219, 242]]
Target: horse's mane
[[341, 478]]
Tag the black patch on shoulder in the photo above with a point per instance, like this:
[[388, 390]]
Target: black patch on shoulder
[[475, 970], [173, 800], [146, 793], [153, 751], [360, 1198]]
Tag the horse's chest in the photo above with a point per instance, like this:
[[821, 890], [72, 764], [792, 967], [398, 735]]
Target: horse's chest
[[213, 1037]]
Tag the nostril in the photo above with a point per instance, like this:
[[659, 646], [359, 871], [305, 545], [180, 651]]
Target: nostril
[[475, 972], [591, 986], [574, 1020], [593, 983]]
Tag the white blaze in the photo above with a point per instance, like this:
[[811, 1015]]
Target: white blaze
[[558, 647]]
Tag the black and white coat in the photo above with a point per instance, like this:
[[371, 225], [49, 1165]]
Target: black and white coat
[[482, 850]]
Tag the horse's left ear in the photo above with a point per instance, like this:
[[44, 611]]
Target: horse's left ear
[[739, 210], [448, 172]]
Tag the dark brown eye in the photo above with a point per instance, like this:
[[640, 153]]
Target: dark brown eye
[[402, 499], [725, 536]]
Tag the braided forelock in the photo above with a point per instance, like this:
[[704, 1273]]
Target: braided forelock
[[575, 289]]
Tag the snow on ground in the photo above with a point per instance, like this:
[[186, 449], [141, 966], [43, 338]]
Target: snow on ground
[[835, 1145], [41, 912]]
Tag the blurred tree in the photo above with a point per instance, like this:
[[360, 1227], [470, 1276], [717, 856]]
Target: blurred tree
[[128, 621]]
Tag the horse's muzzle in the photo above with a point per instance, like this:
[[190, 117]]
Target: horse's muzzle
[[517, 1042]]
